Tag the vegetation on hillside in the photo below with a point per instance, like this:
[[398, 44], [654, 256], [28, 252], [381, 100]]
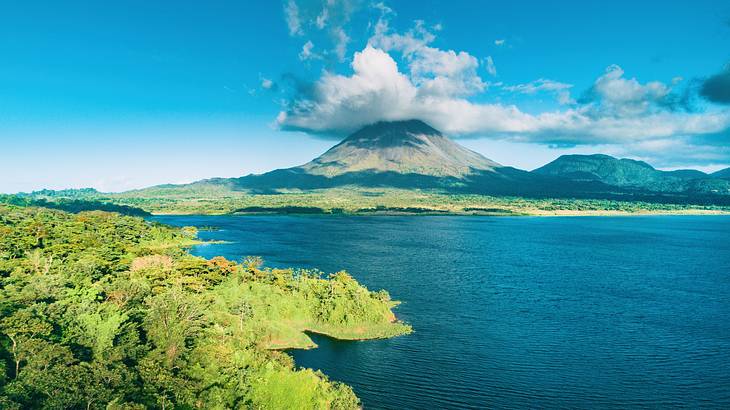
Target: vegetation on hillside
[[635, 174], [381, 201], [74, 203], [217, 199], [99, 310]]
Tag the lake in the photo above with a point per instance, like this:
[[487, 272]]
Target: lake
[[517, 311]]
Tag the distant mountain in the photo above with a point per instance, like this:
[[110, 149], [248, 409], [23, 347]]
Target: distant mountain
[[609, 170], [404, 147], [413, 155], [81, 193], [628, 173], [723, 173], [401, 154], [686, 174]]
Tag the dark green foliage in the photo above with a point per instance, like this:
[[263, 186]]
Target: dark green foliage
[[74, 204], [723, 173]]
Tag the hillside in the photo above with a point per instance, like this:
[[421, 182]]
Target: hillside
[[723, 173], [628, 173]]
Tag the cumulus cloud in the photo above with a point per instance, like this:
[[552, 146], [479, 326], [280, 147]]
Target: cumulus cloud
[[368, 95], [676, 152], [717, 87], [621, 111], [403, 75], [612, 94], [432, 70]]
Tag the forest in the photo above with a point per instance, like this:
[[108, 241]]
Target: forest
[[355, 201], [100, 310]]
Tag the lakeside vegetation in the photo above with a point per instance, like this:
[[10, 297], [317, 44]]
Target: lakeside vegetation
[[72, 203], [360, 201], [99, 310]]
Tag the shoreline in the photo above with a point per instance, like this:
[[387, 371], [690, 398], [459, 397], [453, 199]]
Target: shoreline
[[531, 213]]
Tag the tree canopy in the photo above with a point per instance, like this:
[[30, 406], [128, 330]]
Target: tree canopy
[[99, 310]]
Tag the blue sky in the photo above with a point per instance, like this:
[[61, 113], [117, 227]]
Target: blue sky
[[130, 94]]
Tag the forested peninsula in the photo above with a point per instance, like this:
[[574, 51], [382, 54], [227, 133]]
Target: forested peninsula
[[100, 310]]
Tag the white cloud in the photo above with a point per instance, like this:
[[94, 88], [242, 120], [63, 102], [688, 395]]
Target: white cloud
[[564, 98], [491, 68], [617, 115], [374, 89], [675, 153], [378, 90], [384, 9], [538, 85], [560, 90], [291, 13], [612, 94], [321, 20], [324, 21], [340, 39], [434, 71], [307, 53], [266, 83]]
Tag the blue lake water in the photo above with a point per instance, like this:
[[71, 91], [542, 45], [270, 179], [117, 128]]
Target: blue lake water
[[517, 311]]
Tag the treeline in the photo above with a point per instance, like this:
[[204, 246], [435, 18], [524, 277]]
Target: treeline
[[71, 205], [362, 201], [99, 310]]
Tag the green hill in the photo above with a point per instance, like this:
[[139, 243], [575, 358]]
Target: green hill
[[723, 173], [637, 175]]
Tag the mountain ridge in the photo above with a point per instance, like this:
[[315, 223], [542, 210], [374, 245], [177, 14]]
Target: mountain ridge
[[633, 174], [723, 173], [412, 155]]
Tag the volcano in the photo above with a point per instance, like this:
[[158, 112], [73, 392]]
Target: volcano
[[403, 147], [406, 154]]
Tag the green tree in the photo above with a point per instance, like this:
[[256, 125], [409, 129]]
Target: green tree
[[26, 330]]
